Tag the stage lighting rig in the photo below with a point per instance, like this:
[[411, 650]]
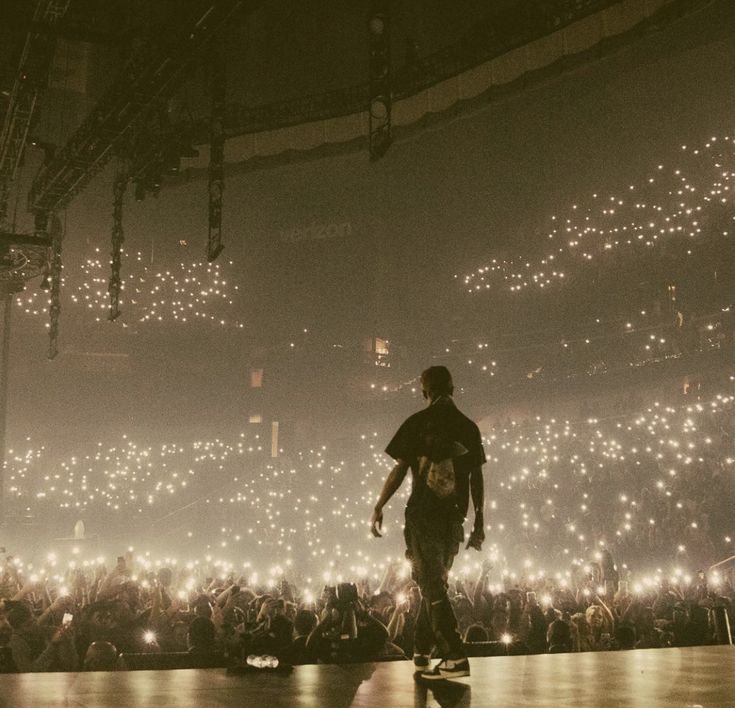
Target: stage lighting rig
[[151, 75], [22, 256], [118, 238], [216, 156], [56, 233], [151, 152], [30, 80], [380, 104]]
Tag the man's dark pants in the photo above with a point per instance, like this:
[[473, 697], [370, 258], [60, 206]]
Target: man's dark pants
[[432, 542]]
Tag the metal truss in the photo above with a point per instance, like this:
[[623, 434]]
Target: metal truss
[[153, 73], [30, 81], [517, 25], [381, 97], [218, 85], [57, 233], [118, 238]]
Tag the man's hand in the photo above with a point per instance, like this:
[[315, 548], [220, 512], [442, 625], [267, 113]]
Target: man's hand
[[61, 602], [376, 523], [477, 536], [403, 603], [217, 616], [392, 482], [231, 600], [28, 586], [267, 610]]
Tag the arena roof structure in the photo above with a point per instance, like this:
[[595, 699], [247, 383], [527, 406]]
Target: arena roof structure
[[297, 73], [181, 90]]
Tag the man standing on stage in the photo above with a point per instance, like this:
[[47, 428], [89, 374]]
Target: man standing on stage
[[443, 449]]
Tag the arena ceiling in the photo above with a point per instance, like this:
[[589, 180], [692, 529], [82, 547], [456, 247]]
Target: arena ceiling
[[297, 71], [282, 51], [276, 50]]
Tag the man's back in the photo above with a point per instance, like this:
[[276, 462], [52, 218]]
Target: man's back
[[443, 449], [417, 437]]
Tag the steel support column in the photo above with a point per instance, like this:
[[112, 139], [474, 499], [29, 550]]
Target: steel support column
[[118, 238], [216, 156], [55, 277], [381, 99]]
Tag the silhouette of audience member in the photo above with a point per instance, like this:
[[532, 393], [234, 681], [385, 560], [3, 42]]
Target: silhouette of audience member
[[101, 656]]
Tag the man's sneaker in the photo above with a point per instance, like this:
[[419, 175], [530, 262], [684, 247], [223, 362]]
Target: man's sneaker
[[421, 662], [448, 669]]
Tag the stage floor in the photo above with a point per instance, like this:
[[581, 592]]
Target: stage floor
[[690, 677]]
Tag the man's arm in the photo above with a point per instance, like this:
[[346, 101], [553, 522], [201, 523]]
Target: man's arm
[[312, 641], [477, 492], [390, 487], [478, 598]]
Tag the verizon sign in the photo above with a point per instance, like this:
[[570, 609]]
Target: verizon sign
[[316, 232]]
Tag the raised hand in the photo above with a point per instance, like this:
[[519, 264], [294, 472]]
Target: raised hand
[[376, 523]]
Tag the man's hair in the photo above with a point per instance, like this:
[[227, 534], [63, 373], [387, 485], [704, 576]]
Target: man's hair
[[475, 633], [438, 381], [281, 628], [625, 635], [304, 622], [101, 656], [559, 632], [18, 613], [201, 633]]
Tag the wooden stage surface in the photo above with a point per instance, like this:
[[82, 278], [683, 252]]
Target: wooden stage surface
[[688, 677]]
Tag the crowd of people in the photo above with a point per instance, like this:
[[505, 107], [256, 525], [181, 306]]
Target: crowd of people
[[602, 532], [655, 487], [137, 614], [564, 499]]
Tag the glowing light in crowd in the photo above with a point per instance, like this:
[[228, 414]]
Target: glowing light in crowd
[[673, 201], [186, 292], [647, 486]]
